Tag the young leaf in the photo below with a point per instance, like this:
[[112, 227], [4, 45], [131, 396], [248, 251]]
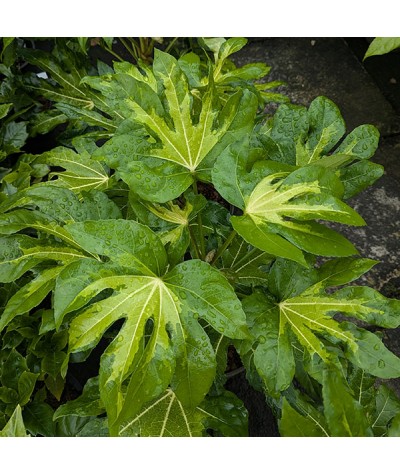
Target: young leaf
[[382, 46], [326, 128], [15, 426]]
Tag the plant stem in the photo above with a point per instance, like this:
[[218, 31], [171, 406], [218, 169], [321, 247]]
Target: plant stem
[[130, 51], [220, 251], [113, 53], [194, 243], [200, 225], [168, 48]]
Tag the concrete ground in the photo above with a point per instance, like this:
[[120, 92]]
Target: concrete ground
[[366, 93]]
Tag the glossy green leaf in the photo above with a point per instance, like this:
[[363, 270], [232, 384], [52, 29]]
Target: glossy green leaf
[[191, 290], [63, 205], [362, 386], [70, 426], [394, 429], [44, 122], [15, 426], [344, 415], [359, 176], [29, 296], [127, 243], [382, 45], [275, 199], [13, 136], [361, 143], [306, 311], [74, 278], [206, 292], [19, 254], [4, 108], [244, 264], [369, 305], [371, 354], [387, 407], [26, 385], [271, 348], [90, 117], [294, 424], [187, 143], [94, 428], [69, 91], [151, 178], [53, 362], [289, 127], [81, 173], [287, 279], [225, 414], [326, 128], [258, 235], [165, 417], [38, 418], [343, 270], [88, 404]]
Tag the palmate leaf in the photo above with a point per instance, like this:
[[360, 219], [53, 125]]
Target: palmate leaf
[[165, 417], [189, 144], [21, 253], [242, 264], [81, 173], [279, 211], [306, 313], [297, 136], [161, 342]]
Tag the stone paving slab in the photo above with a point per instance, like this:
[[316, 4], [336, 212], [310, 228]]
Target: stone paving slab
[[324, 66]]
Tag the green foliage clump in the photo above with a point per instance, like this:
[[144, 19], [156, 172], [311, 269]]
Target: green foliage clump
[[173, 221]]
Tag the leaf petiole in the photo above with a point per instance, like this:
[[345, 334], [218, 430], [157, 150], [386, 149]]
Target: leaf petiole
[[200, 225], [221, 250]]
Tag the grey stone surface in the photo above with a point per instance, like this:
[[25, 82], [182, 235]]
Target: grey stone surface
[[324, 66]]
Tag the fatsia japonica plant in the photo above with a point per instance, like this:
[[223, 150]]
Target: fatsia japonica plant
[[196, 226]]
